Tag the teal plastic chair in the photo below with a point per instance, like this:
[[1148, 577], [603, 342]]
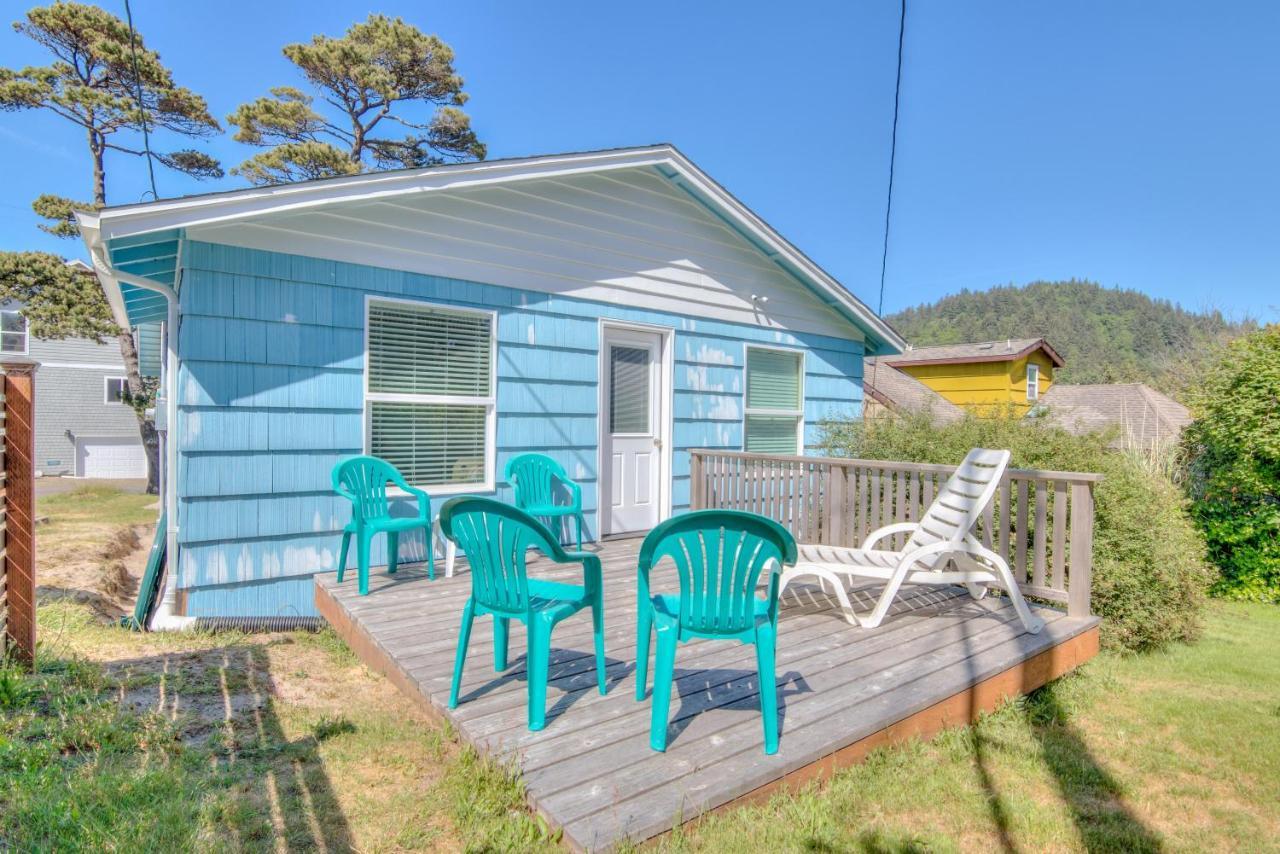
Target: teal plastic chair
[[363, 481], [533, 477], [496, 538], [719, 555]]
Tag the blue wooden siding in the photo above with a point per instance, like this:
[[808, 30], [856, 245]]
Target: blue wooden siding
[[271, 394], [149, 347]]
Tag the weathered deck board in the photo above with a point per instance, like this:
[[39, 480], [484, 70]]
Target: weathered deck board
[[591, 770]]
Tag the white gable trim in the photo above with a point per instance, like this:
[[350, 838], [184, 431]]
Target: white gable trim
[[223, 208]]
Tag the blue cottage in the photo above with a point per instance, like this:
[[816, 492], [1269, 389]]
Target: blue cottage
[[613, 309]]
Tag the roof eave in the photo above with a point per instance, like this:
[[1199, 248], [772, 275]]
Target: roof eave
[[91, 232], [136, 219], [1040, 344]]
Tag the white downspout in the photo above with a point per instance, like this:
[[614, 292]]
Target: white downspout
[[164, 618]]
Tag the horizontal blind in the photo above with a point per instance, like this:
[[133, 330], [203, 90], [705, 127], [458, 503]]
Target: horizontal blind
[[773, 380], [629, 390], [427, 350], [771, 434], [431, 443]]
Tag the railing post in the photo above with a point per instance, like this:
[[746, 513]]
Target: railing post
[[19, 510], [1080, 576], [697, 486], [833, 505]]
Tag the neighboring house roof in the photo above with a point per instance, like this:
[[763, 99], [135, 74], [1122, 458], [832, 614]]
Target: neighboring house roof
[[115, 235], [984, 351], [1141, 412], [899, 392]]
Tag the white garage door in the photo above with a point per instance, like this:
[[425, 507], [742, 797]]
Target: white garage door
[[118, 457]]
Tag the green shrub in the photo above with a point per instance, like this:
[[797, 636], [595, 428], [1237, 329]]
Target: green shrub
[[1149, 573], [1233, 466]]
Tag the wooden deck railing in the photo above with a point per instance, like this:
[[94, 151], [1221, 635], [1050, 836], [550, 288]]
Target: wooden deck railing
[[17, 516], [1040, 521]]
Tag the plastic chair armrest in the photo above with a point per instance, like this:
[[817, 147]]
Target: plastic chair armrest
[[775, 574], [576, 491], [424, 501]]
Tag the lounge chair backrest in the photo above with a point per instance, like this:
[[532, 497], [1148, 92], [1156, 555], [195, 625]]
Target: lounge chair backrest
[[961, 500], [495, 538]]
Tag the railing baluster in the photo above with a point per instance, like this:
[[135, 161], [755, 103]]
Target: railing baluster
[[1006, 515], [1038, 555], [900, 507], [1081, 572], [1059, 580], [988, 523], [1020, 535]]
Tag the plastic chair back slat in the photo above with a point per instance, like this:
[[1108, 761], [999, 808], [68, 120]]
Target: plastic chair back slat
[[496, 538], [719, 556], [365, 480]]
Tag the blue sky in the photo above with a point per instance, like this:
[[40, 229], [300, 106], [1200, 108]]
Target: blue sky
[[1089, 139]]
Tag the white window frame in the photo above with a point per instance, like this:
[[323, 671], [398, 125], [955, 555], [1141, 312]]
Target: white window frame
[[25, 333], [798, 414], [1033, 381], [490, 402], [106, 390]]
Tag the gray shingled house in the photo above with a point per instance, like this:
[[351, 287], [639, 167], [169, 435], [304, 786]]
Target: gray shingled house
[[83, 429]]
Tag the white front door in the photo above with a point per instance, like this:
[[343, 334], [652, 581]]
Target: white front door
[[631, 430]]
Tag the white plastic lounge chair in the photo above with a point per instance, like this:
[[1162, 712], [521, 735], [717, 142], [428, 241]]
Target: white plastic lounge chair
[[942, 537]]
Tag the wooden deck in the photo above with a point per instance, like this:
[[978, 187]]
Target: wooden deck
[[937, 661]]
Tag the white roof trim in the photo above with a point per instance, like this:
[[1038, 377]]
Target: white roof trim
[[128, 220]]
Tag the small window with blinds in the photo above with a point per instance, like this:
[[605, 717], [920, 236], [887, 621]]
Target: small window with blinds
[[429, 393], [775, 401], [629, 380]]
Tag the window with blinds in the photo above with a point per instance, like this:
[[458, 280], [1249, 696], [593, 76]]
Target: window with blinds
[[429, 397], [775, 400], [629, 379]]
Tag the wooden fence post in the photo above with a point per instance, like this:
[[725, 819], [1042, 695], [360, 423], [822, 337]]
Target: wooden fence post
[[1080, 576], [19, 511]]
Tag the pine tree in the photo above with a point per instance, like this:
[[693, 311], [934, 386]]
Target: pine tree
[[371, 80], [108, 83]]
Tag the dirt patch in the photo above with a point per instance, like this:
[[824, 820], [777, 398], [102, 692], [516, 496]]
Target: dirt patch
[[97, 565]]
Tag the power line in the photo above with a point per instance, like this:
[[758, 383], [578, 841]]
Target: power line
[[893, 153], [893, 156], [142, 110]]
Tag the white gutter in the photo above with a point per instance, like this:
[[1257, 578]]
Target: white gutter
[[164, 618]]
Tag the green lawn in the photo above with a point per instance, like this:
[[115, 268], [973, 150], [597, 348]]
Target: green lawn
[[1177, 750], [219, 742]]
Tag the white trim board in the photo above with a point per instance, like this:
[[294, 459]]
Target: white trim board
[[100, 227], [798, 414], [490, 403], [84, 366]]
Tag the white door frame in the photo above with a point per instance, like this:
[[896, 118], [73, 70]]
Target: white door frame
[[666, 414]]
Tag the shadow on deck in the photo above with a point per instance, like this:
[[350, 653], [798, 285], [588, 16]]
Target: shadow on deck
[[939, 660]]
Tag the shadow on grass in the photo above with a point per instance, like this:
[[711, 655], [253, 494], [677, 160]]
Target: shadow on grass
[[1095, 798], [202, 729]]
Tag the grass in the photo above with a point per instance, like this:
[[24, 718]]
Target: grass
[[1177, 750], [126, 741], [93, 505]]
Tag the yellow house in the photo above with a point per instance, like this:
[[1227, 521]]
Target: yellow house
[[991, 374]]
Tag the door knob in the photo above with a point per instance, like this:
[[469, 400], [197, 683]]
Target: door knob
[[657, 442]]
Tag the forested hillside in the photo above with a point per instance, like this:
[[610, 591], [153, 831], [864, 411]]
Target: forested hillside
[[1104, 334]]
